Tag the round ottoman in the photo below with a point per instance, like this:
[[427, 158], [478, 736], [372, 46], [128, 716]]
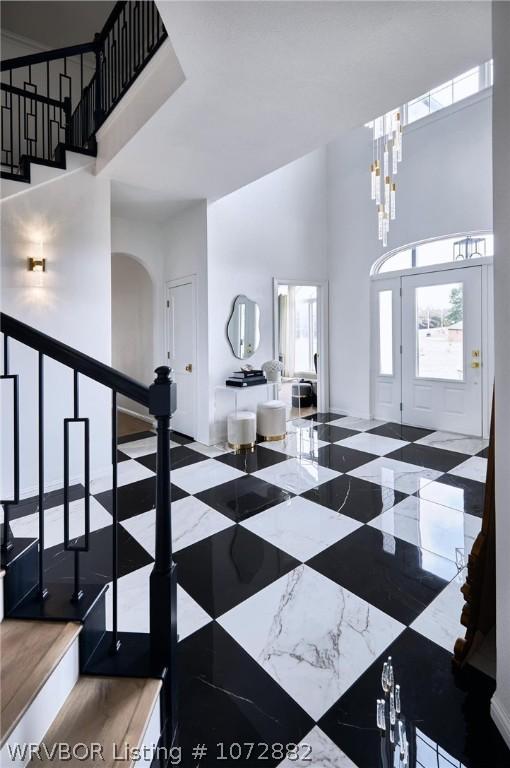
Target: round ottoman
[[272, 420], [241, 430]]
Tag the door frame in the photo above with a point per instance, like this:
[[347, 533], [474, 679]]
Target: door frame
[[322, 334], [176, 283], [487, 280]]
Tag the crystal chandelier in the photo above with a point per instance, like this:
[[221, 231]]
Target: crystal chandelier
[[386, 156]]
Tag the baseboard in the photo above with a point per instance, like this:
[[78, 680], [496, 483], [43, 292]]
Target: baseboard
[[501, 718], [348, 412], [55, 485], [137, 415]]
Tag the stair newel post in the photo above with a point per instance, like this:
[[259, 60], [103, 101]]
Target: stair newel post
[[98, 107], [163, 580]]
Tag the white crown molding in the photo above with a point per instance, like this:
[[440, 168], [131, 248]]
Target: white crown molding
[[26, 41]]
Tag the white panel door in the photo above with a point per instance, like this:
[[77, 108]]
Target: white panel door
[[386, 349], [181, 327], [442, 350]]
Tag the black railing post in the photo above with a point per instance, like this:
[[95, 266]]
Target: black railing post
[[98, 107], [163, 580], [69, 120]]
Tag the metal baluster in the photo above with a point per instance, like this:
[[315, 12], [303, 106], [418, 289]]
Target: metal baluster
[[115, 523], [43, 592], [78, 592], [7, 533], [12, 134], [48, 106]]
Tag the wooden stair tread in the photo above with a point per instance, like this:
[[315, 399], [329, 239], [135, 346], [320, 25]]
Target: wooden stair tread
[[105, 710], [30, 651]]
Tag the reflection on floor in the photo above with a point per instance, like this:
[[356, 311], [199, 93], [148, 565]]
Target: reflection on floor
[[301, 566]]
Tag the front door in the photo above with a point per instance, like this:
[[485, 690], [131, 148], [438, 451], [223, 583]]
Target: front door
[[182, 353], [441, 350]]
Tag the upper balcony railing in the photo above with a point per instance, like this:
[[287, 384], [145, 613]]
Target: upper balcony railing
[[63, 96]]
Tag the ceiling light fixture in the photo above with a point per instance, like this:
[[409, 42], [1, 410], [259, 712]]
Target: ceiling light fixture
[[386, 156]]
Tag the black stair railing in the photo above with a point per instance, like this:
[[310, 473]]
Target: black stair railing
[[160, 398], [63, 96]]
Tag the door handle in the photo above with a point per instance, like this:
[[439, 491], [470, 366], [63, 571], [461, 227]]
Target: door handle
[[475, 364], [188, 368]]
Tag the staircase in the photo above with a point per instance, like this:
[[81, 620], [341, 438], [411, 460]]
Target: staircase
[[65, 679], [54, 102]]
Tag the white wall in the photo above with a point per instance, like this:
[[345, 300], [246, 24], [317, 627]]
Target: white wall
[[184, 252], [275, 227], [71, 215], [501, 150], [132, 323], [444, 186]]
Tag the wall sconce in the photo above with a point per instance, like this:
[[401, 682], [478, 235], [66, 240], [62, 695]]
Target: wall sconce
[[39, 263]]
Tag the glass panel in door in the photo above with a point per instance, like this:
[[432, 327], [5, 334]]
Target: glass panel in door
[[439, 331]]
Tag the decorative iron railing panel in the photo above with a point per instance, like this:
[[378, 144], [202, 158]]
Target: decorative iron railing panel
[[63, 96]]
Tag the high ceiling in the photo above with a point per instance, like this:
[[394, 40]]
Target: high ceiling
[[55, 24], [267, 82]]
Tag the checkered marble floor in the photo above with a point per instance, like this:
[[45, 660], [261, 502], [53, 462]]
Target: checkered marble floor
[[301, 566]]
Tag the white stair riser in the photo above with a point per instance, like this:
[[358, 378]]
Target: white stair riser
[[44, 708]]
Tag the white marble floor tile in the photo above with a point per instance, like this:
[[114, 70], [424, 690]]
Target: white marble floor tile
[[398, 475], [441, 530], [210, 450], [134, 606], [304, 442], [296, 475], [440, 621], [317, 750], [451, 441], [205, 474], [128, 471], [361, 425], [301, 527], [142, 447], [377, 444], [192, 520], [474, 468], [28, 526], [311, 635]]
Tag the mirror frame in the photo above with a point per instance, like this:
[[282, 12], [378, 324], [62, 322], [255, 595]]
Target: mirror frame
[[235, 304]]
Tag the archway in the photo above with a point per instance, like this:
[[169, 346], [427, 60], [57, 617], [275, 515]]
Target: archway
[[132, 331]]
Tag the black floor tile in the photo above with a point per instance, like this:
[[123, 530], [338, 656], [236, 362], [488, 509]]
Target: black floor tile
[[332, 434], [252, 461], [178, 437], [354, 497], [400, 431], [135, 436], [457, 493], [96, 564], [135, 498], [223, 570], [122, 456], [446, 711], [342, 459], [180, 456], [484, 454], [51, 499], [243, 497], [426, 456], [323, 418], [226, 697], [389, 573]]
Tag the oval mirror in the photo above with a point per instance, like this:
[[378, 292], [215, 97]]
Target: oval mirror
[[243, 327]]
